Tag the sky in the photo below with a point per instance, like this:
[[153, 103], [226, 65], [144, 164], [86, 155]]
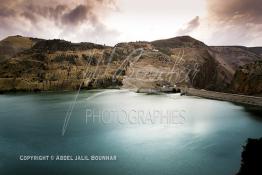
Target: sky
[[215, 22]]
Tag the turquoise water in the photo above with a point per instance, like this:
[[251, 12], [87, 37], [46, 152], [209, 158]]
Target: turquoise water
[[205, 136]]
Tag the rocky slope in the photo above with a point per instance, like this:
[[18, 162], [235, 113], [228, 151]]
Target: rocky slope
[[181, 61], [57, 65], [12, 45], [248, 79], [229, 59], [257, 50], [42, 65]]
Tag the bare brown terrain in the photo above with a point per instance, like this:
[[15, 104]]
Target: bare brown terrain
[[29, 64]]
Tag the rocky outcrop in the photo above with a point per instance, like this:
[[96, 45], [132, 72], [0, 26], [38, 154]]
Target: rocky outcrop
[[251, 163], [248, 79], [228, 59]]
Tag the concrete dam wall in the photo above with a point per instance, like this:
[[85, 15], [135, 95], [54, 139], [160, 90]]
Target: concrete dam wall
[[250, 100]]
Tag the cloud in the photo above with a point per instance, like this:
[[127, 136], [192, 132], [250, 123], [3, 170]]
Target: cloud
[[235, 21], [6, 12], [236, 11], [50, 12], [76, 15], [189, 27], [52, 18]]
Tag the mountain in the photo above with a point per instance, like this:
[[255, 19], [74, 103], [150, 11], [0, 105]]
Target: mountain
[[40, 65], [179, 42], [15, 44]]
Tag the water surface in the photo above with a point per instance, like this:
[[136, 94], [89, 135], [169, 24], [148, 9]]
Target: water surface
[[205, 138]]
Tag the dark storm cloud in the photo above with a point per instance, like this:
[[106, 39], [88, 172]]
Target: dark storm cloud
[[190, 26], [236, 11], [236, 21], [42, 18], [64, 12], [52, 12], [77, 15], [6, 12]]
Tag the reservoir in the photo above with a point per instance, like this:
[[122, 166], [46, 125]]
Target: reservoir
[[124, 132]]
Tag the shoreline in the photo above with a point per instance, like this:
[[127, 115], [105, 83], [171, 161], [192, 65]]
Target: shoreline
[[236, 98]]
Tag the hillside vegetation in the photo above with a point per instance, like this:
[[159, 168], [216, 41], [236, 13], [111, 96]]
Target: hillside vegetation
[[30, 64]]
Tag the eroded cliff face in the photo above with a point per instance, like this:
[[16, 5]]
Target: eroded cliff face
[[248, 79], [228, 59], [47, 65]]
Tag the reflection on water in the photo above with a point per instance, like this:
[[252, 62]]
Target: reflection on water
[[149, 134]]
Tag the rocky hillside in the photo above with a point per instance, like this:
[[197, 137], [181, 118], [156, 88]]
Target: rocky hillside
[[229, 59], [179, 42], [43, 65], [257, 50], [180, 61], [248, 79], [12, 45], [57, 65]]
